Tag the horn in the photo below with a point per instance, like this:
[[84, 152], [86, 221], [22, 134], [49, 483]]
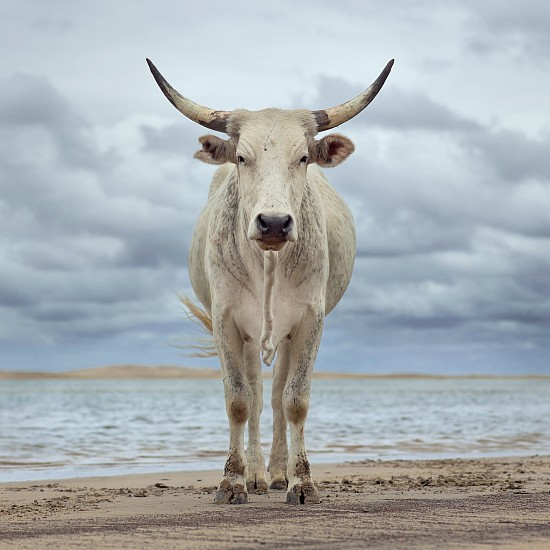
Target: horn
[[330, 118], [210, 118]]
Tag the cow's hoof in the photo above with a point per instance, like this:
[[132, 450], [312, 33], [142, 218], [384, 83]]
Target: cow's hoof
[[258, 487], [279, 484], [231, 494], [303, 493]]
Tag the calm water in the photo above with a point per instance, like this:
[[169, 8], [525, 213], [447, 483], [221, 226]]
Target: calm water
[[55, 429]]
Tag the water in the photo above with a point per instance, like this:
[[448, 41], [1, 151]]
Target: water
[[69, 428]]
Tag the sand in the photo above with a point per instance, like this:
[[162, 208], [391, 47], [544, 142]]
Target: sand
[[170, 372], [483, 503]]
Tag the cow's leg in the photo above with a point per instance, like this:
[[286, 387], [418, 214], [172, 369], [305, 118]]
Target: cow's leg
[[303, 351], [256, 479], [232, 489], [279, 448]]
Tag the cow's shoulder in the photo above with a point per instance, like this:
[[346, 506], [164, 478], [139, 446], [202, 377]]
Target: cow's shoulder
[[220, 179]]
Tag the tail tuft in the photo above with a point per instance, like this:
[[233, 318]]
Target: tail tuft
[[200, 317]]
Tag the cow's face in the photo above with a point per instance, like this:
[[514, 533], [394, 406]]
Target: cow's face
[[272, 150]]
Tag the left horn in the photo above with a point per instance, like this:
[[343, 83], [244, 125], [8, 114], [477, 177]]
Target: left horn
[[210, 118], [330, 118]]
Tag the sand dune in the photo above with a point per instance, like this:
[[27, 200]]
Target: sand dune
[[169, 372], [118, 372]]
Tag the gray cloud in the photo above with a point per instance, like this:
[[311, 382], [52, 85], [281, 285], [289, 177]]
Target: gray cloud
[[452, 228], [33, 113], [394, 108], [97, 251], [514, 156], [93, 239], [508, 27], [174, 138]]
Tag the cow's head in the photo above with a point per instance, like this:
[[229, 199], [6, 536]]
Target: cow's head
[[272, 149]]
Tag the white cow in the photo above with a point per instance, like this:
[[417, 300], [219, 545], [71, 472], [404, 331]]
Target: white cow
[[271, 255]]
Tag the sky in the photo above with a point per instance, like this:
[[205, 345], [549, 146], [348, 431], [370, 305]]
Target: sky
[[449, 184]]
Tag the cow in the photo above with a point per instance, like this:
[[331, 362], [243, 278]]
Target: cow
[[271, 255]]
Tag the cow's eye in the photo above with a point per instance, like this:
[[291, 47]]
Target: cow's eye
[[240, 159], [304, 159]]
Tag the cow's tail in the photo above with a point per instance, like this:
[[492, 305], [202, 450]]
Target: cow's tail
[[204, 346]]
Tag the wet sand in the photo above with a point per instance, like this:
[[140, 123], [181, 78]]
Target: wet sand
[[483, 503]]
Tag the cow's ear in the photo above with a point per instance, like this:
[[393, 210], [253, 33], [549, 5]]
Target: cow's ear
[[331, 150], [216, 150]]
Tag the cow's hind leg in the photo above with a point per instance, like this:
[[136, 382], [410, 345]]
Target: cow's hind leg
[[238, 396], [256, 480], [279, 448], [303, 351]]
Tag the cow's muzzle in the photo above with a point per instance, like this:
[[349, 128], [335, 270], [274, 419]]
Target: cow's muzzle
[[272, 232]]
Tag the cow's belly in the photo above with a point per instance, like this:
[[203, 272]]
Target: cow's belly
[[341, 261], [340, 238], [341, 248]]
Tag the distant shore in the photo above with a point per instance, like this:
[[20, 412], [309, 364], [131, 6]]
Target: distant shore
[[168, 372]]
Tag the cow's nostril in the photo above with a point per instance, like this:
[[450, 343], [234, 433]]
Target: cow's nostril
[[287, 225], [263, 224], [274, 227]]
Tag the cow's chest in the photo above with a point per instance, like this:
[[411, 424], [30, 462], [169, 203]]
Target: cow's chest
[[296, 293]]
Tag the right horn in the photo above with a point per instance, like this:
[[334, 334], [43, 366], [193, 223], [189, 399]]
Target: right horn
[[330, 118], [210, 118]]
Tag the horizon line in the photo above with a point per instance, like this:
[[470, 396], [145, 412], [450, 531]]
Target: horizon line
[[167, 372]]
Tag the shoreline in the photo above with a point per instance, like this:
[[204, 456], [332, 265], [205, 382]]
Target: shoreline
[[169, 372], [466, 503], [319, 469], [214, 464]]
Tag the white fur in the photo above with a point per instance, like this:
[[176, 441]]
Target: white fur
[[262, 302]]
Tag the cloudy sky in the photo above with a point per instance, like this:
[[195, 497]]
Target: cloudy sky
[[449, 184]]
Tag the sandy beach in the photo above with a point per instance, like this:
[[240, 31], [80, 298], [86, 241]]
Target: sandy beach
[[476, 503]]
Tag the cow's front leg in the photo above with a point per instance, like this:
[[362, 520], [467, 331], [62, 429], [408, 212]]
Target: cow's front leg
[[279, 449], [304, 347], [232, 489], [256, 480]]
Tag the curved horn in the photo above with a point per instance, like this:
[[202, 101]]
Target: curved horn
[[212, 119], [330, 118]]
